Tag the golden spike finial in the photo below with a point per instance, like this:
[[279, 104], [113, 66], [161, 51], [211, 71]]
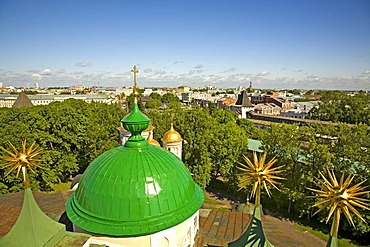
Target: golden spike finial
[[259, 174], [172, 118], [339, 197], [135, 89], [21, 160]]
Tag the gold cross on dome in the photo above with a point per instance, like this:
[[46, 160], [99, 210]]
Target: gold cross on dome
[[135, 71], [172, 119], [135, 91]]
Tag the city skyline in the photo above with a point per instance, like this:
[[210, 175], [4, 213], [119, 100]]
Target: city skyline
[[285, 44]]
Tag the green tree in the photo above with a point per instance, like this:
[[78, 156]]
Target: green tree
[[169, 97], [130, 101], [250, 129], [71, 133], [174, 105], [155, 95], [337, 106], [154, 104]]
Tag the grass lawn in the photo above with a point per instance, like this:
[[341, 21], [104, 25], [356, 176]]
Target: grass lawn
[[214, 204], [212, 201], [341, 242], [61, 186]]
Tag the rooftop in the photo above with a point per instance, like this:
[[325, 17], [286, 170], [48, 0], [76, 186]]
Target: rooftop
[[216, 227]]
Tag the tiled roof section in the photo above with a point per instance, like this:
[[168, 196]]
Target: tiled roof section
[[243, 100], [229, 101], [11, 204], [22, 101], [146, 99], [220, 228]]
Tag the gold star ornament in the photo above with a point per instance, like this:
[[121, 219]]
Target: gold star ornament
[[340, 197], [21, 160], [259, 174]]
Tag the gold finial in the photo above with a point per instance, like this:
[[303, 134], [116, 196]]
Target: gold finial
[[135, 89], [21, 160], [259, 174], [339, 197], [151, 140], [172, 118]]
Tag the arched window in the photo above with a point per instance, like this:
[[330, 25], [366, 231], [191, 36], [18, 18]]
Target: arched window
[[164, 242]]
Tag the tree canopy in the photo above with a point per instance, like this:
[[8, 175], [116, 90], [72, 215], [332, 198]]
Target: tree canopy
[[70, 133], [73, 133], [338, 106]]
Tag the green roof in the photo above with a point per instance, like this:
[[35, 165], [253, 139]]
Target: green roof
[[134, 190], [254, 234], [33, 227], [254, 145], [131, 192]]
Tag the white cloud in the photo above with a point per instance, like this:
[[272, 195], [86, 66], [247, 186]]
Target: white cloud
[[232, 69], [194, 77], [33, 71], [82, 64], [148, 70], [36, 76], [62, 71], [199, 66], [313, 77], [46, 72], [160, 72], [176, 62], [263, 73]]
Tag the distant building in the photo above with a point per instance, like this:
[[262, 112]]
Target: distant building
[[240, 89], [77, 87], [294, 113], [250, 89], [226, 103], [257, 98], [22, 101], [281, 102], [147, 91], [299, 110], [183, 89], [243, 105], [268, 109], [43, 99], [186, 97], [201, 98]]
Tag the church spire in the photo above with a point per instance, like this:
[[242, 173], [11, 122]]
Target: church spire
[[135, 122], [250, 89], [33, 227]]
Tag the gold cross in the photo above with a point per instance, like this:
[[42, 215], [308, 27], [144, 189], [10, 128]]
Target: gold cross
[[135, 91], [172, 119], [135, 71]]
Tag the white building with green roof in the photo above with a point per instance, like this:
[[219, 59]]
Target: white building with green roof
[[137, 195]]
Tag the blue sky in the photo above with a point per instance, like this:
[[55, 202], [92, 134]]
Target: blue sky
[[274, 44]]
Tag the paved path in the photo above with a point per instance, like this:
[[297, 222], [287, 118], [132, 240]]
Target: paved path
[[282, 233]]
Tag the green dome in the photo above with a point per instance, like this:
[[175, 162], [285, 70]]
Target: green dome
[[132, 191]]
